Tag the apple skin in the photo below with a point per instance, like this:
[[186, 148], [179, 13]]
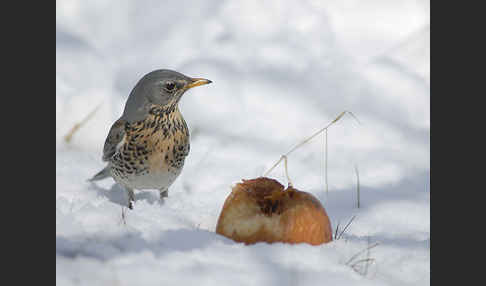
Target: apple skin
[[260, 210]]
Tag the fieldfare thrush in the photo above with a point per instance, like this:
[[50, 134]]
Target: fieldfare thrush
[[147, 146]]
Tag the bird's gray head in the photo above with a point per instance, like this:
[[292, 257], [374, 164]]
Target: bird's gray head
[[160, 87]]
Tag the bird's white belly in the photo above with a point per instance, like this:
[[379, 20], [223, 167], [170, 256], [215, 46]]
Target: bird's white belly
[[157, 179]]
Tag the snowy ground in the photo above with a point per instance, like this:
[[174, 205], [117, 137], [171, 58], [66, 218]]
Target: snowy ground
[[280, 70]]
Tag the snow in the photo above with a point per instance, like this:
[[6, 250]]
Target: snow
[[281, 70]]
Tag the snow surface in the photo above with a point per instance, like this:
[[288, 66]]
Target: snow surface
[[281, 70]]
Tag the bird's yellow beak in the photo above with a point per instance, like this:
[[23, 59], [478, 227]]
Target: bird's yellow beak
[[197, 82]]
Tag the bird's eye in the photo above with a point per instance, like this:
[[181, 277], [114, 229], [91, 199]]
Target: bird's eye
[[170, 86]]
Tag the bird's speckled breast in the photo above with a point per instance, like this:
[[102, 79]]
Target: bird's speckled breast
[[153, 150]]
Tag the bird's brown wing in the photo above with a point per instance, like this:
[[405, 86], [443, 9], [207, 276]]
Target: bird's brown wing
[[116, 135]]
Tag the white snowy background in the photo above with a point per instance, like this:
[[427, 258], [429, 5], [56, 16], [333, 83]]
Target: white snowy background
[[281, 70]]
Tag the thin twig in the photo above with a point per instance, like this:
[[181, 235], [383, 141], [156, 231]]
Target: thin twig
[[367, 261], [357, 177], [363, 260], [287, 171], [336, 231], [367, 256], [308, 139], [359, 253], [363, 270], [78, 125], [327, 185], [346, 227]]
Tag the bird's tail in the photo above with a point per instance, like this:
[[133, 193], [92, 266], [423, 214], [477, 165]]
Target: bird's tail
[[105, 173]]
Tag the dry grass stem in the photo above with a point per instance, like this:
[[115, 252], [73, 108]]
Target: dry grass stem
[[78, 125], [327, 185], [367, 256], [337, 234], [356, 265], [346, 227], [284, 157], [336, 231], [357, 190], [360, 252]]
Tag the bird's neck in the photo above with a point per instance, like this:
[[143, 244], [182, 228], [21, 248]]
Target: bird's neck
[[164, 110]]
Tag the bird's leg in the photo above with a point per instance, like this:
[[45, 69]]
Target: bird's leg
[[131, 197], [164, 193]]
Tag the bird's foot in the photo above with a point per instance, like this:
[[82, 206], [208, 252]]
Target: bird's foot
[[164, 194]]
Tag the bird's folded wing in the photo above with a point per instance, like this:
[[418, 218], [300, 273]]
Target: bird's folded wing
[[115, 137]]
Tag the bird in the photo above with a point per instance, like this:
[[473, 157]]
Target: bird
[[147, 146]]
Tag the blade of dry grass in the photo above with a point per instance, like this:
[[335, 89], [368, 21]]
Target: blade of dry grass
[[367, 262], [327, 184], [284, 157], [357, 189], [360, 252], [356, 264], [367, 256], [78, 125], [346, 227], [336, 230]]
